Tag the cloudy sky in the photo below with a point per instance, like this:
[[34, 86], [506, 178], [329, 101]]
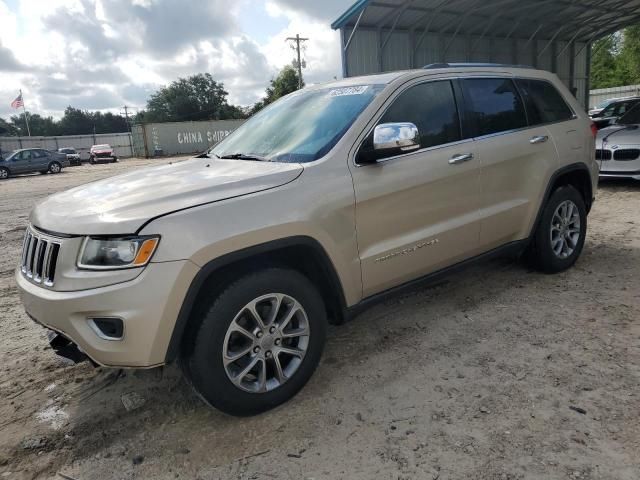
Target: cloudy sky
[[102, 54]]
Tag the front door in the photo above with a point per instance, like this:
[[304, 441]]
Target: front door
[[415, 213], [21, 162]]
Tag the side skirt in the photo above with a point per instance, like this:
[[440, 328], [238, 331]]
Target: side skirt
[[510, 249]]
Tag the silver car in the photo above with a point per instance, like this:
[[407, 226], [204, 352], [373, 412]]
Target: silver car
[[32, 160], [618, 147]]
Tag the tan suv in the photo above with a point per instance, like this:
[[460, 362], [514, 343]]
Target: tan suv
[[233, 263]]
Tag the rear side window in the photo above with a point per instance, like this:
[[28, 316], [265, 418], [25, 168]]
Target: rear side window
[[493, 105], [432, 108], [544, 103]]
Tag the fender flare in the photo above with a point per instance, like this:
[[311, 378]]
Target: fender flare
[[189, 302], [574, 167]]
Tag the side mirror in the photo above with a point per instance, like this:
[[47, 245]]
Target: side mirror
[[389, 140]]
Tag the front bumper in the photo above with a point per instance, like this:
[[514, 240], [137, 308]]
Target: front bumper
[[148, 306], [110, 158]]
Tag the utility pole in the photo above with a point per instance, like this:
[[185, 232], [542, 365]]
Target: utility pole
[[130, 131], [297, 42], [126, 114]]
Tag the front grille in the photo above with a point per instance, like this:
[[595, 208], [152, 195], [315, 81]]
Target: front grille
[[40, 258], [103, 155], [603, 154], [626, 154]]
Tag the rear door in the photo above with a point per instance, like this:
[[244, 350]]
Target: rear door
[[415, 213], [517, 159], [40, 159]]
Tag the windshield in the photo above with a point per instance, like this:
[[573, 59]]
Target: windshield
[[101, 147], [632, 117], [301, 127], [605, 104]]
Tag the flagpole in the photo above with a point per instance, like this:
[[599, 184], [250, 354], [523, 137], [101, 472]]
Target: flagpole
[[26, 115]]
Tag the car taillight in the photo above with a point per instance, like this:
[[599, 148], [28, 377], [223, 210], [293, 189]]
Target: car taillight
[[594, 130]]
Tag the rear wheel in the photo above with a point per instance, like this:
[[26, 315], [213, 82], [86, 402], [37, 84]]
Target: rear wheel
[[258, 343], [4, 173], [55, 167], [560, 236]]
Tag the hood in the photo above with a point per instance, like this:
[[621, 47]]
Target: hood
[[618, 135], [122, 204]]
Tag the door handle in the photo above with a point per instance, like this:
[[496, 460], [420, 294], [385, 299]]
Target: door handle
[[465, 157], [539, 139]]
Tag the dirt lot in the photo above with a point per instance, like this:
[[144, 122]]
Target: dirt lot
[[472, 379]]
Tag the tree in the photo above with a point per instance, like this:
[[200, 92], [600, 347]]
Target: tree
[[285, 83], [615, 59], [629, 57], [604, 64], [7, 129], [198, 97]]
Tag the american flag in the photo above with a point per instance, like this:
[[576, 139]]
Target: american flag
[[18, 102]]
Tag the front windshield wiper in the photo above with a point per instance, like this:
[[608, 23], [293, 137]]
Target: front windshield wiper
[[243, 156]]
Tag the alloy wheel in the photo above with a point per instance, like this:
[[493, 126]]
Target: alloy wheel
[[565, 229], [265, 343]]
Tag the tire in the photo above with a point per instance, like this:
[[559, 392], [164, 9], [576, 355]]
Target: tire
[[92, 161], [203, 363], [558, 242], [4, 173], [55, 167]]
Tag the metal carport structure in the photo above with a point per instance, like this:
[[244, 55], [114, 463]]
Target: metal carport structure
[[555, 35]]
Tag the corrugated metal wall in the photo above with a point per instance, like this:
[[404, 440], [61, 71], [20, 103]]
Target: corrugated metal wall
[[121, 142], [175, 138], [364, 54], [602, 94]]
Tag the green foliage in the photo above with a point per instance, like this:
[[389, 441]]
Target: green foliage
[[285, 83], [615, 60], [6, 129], [198, 97], [74, 122]]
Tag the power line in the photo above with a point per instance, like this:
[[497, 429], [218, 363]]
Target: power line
[[298, 41]]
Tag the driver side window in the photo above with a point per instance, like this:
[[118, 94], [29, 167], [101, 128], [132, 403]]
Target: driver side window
[[432, 108]]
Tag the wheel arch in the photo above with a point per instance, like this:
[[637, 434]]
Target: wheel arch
[[576, 175], [300, 253]]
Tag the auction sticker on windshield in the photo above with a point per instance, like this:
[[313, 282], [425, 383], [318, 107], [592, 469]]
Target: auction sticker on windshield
[[341, 92]]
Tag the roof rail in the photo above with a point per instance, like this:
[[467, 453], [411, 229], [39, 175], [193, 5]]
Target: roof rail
[[434, 66]]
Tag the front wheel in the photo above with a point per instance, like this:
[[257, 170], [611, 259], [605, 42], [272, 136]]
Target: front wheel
[[4, 173], [560, 236], [55, 167], [258, 343]]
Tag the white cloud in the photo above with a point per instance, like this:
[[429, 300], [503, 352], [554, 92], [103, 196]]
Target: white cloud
[[101, 54]]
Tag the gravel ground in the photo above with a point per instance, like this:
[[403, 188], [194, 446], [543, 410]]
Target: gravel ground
[[496, 373]]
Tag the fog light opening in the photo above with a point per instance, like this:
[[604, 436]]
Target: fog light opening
[[107, 328]]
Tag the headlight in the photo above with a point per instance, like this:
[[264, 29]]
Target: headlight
[[116, 253]]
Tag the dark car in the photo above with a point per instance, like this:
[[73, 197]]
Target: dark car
[[614, 111], [72, 155], [32, 160]]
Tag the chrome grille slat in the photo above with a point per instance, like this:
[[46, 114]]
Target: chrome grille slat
[[32, 247], [47, 258], [25, 249], [39, 258]]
